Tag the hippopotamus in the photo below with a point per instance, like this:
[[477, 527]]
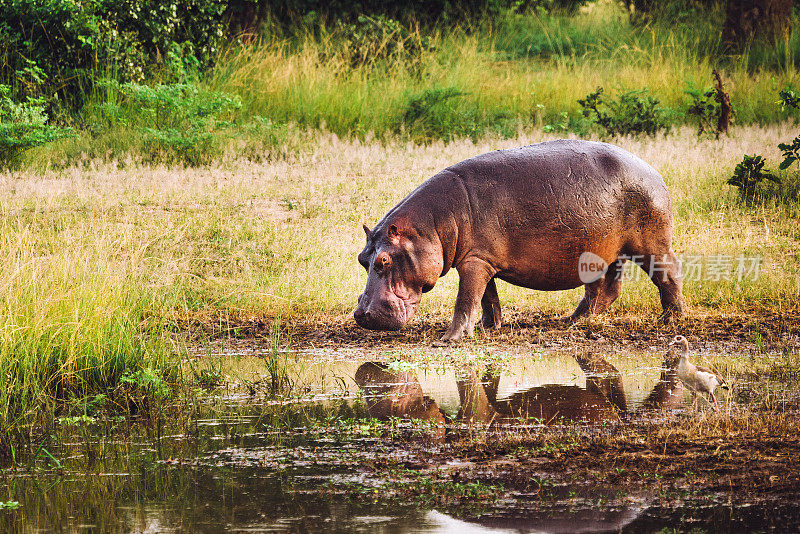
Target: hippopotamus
[[549, 216]]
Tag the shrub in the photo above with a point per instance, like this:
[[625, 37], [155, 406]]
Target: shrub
[[380, 37], [23, 126], [68, 40], [791, 151], [635, 112], [748, 174], [58, 36], [177, 122], [561, 126], [704, 108], [788, 97]]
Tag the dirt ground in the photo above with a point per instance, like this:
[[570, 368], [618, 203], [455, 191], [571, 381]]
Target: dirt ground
[[760, 329], [743, 465]]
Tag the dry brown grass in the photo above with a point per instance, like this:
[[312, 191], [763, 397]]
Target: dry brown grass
[[243, 240]]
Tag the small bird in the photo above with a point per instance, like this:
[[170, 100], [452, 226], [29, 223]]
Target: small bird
[[697, 379]]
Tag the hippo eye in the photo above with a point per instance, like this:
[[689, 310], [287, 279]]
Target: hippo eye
[[382, 262]]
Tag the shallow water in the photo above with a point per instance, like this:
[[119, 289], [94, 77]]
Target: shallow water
[[247, 461]]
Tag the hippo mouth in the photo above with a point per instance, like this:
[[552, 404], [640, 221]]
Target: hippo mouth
[[390, 313]]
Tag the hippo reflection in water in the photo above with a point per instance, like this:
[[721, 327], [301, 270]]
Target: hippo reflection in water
[[399, 394]]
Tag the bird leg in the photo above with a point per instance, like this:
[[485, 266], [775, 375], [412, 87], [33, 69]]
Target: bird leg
[[695, 401], [716, 406]]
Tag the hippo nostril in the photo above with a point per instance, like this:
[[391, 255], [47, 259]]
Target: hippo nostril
[[362, 317]]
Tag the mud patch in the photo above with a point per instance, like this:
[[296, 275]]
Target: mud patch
[[752, 330]]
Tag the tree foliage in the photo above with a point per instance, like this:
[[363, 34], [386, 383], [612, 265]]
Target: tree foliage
[[247, 14], [63, 43]]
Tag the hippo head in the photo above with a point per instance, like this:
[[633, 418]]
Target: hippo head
[[402, 263]]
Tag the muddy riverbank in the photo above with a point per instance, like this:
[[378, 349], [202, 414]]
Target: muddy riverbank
[[755, 329]]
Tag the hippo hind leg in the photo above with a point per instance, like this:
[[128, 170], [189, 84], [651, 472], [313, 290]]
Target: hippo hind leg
[[665, 272], [601, 293], [490, 305]]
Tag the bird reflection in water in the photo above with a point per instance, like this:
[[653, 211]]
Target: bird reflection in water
[[399, 394]]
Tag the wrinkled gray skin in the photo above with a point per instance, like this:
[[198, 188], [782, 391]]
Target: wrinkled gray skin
[[525, 216]]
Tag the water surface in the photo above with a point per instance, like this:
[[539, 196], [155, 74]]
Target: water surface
[[247, 460]]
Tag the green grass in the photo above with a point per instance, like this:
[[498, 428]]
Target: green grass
[[105, 251], [519, 71], [78, 314], [515, 73], [103, 264]]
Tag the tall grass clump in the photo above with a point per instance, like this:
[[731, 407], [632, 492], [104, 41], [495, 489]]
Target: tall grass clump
[[73, 325], [278, 380]]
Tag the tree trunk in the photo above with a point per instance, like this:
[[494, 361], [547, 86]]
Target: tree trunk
[[725, 108], [749, 20]]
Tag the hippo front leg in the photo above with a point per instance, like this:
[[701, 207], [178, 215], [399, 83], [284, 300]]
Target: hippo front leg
[[473, 277]]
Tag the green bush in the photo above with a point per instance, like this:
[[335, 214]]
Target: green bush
[[23, 126], [790, 151], [177, 122], [634, 113], [562, 125], [69, 41], [704, 108], [748, 175], [59, 37]]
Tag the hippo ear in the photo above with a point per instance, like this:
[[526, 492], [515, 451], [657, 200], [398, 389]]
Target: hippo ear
[[366, 229]]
